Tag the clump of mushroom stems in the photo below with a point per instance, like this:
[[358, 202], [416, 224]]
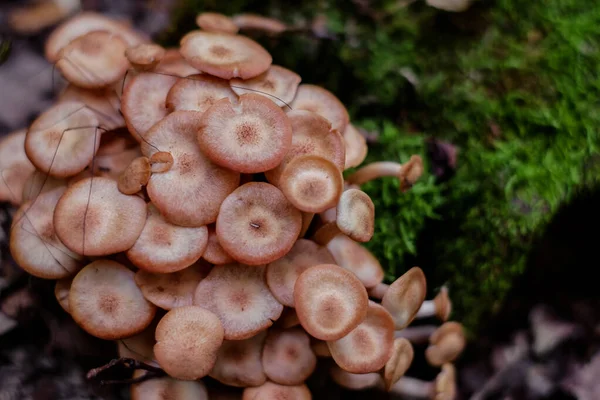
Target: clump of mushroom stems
[[142, 193]]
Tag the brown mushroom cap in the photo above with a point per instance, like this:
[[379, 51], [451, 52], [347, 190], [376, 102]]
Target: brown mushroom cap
[[163, 247], [161, 161], [187, 342], [215, 22], [93, 218], [239, 296], [271, 390], [63, 140], [323, 102], [256, 224], [145, 56], [356, 215], [356, 147], [105, 301], [225, 55], [445, 344], [103, 102], [214, 253], [352, 381], [312, 134], [15, 167], [259, 23], [287, 357], [239, 362], [368, 347], [191, 192], [135, 176], [278, 84], [172, 290], [174, 64], [405, 296], [167, 388], [198, 93], [251, 135], [312, 184], [357, 259], [34, 244], [399, 362], [34, 17], [330, 301], [61, 292], [94, 60], [115, 164], [144, 101], [282, 274]]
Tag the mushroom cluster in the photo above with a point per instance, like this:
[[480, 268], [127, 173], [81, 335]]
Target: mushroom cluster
[[191, 205]]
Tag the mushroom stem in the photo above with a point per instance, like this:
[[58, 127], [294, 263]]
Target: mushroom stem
[[427, 309], [413, 387], [378, 291], [307, 219], [416, 334], [373, 171]]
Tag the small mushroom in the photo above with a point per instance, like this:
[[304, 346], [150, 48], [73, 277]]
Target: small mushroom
[[215, 22], [442, 388], [287, 357], [160, 162], [450, 5], [352, 381], [166, 388], [440, 306], [356, 147], [407, 173], [405, 296], [288, 319], [15, 167], [187, 342], [35, 17], [277, 84], [259, 23], [271, 390], [175, 65], [239, 362], [214, 253], [145, 56], [198, 93], [135, 177], [61, 292], [105, 301], [323, 102], [357, 259], [399, 362], [445, 344]]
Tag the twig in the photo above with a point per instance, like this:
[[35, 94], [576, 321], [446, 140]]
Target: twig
[[153, 372]]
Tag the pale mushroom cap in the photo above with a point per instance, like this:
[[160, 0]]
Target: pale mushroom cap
[[250, 135], [161, 161], [368, 347], [239, 296], [187, 342], [257, 225], [135, 176], [356, 147], [330, 301], [405, 296], [34, 244], [38, 183], [239, 362], [271, 390], [167, 388], [172, 290], [61, 292], [214, 253], [356, 215], [352, 381], [15, 167], [198, 93], [278, 84], [163, 247], [282, 274], [357, 259], [103, 102], [112, 165], [215, 22], [257, 22], [287, 356], [191, 192], [145, 56], [63, 140], [323, 102], [93, 218], [105, 301], [34, 17], [399, 362], [446, 344], [225, 55]]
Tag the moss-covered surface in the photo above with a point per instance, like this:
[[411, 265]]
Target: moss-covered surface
[[514, 84]]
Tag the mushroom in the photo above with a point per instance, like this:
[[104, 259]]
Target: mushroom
[[260, 23], [450, 5], [250, 135], [113, 165], [166, 388], [399, 362], [323, 102], [35, 17], [61, 292], [15, 167], [282, 273], [357, 259], [174, 64], [198, 93], [187, 342], [256, 224], [440, 306], [239, 296], [161, 161], [356, 147], [330, 301], [145, 56], [368, 347], [288, 319], [271, 390], [215, 22], [239, 362], [287, 357], [442, 388], [352, 381], [277, 84], [105, 301], [225, 55], [163, 247], [445, 344], [405, 296], [135, 176], [407, 173], [93, 218], [417, 334]]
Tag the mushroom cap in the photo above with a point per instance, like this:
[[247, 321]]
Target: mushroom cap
[[357, 259], [287, 357], [94, 60], [410, 172], [61, 292], [216, 22], [34, 244], [255, 22], [278, 84], [352, 381], [405, 296], [214, 253], [445, 344], [93, 218], [114, 164], [161, 161], [167, 388], [313, 184], [356, 215], [368, 347], [356, 147], [198, 93], [135, 177], [249, 136], [163, 247], [103, 102], [145, 56], [330, 301], [191, 192], [105, 301], [141, 346], [445, 383], [172, 290], [282, 273], [187, 342], [144, 101], [271, 390], [399, 362], [174, 64], [443, 304], [239, 296], [63, 140], [323, 102], [225, 55], [15, 167], [312, 134], [257, 224], [239, 362]]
